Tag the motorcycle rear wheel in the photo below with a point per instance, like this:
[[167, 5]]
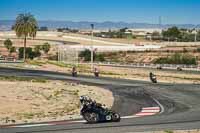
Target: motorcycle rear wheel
[[91, 117]]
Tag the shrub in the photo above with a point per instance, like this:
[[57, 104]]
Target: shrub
[[12, 49], [30, 54], [37, 48], [99, 57], [173, 33], [168, 131], [86, 54], [46, 47], [37, 51], [198, 49], [21, 51], [8, 44]]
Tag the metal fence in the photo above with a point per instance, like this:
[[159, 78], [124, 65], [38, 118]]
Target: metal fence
[[68, 55]]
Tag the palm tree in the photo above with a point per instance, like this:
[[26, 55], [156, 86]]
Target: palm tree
[[25, 26]]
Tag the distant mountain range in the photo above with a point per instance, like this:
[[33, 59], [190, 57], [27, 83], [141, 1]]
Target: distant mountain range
[[7, 24]]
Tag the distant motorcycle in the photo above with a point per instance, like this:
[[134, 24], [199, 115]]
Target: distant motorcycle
[[179, 69], [96, 72], [153, 77], [94, 112], [74, 72]]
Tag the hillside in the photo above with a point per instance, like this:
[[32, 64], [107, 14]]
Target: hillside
[[6, 25]]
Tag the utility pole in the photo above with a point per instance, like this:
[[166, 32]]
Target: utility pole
[[160, 22], [195, 36], [92, 50]]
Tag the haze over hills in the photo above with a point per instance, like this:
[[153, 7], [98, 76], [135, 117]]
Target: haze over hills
[[7, 24]]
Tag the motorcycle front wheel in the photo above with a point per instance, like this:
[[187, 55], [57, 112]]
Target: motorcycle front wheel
[[116, 117]]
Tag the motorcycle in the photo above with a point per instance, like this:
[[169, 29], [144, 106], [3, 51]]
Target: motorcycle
[[74, 72], [96, 73], [94, 112], [153, 78]]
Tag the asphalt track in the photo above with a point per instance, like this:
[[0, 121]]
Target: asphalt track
[[181, 104]]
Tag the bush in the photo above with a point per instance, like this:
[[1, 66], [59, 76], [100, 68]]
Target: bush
[[177, 59], [30, 54], [8, 44], [99, 57], [182, 35], [46, 47], [37, 51], [86, 55], [198, 49], [12, 49], [172, 33]]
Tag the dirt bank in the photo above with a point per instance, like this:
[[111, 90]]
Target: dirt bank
[[24, 102]]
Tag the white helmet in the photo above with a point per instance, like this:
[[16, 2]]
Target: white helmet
[[84, 99]]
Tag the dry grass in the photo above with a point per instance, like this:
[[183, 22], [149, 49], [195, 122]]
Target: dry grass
[[143, 74], [24, 101]]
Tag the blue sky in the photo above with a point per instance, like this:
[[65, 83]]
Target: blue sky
[[148, 11]]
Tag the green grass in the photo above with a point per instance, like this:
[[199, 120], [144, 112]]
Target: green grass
[[31, 115], [111, 73], [168, 131], [14, 78], [36, 62], [60, 64]]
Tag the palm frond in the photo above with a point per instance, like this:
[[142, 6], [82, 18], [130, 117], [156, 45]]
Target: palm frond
[[26, 25]]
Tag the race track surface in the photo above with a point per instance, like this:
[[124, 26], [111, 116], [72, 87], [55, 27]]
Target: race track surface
[[181, 104]]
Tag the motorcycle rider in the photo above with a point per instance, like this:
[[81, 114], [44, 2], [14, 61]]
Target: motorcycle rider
[[152, 77], [85, 100], [74, 72], [151, 74], [94, 112], [96, 72]]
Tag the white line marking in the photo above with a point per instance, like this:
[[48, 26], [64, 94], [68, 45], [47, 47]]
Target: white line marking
[[81, 121], [150, 111], [128, 117], [162, 109], [147, 111], [33, 125], [151, 108]]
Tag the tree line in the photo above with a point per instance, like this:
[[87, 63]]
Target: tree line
[[30, 52], [176, 34]]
